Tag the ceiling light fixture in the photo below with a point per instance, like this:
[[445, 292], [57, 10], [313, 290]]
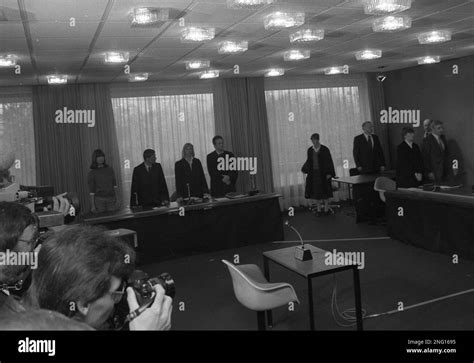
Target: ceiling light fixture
[[433, 37], [117, 57], [368, 54], [209, 74], [390, 24], [280, 20], [148, 16], [7, 61], [296, 55], [197, 34], [275, 72], [384, 7], [336, 70], [57, 79], [231, 47], [197, 64], [429, 60], [247, 4], [138, 77], [307, 35]]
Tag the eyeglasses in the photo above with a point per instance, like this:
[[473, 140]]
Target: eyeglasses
[[118, 294]]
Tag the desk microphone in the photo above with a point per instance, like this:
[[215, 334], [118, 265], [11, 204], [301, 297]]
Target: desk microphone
[[189, 193], [301, 253]]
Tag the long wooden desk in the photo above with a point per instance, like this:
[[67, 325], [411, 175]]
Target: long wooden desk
[[441, 221], [165, 233]]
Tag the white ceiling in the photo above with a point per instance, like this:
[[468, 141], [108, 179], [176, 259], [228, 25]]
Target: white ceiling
[[38, 32]]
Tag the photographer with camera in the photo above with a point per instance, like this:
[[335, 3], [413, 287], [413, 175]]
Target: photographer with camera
[[82, 274]]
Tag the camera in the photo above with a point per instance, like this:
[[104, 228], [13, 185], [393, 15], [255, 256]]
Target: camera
[[143, 286]]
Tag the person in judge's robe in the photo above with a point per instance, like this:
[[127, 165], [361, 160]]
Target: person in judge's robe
[[435, 154], [367, 151], [149, 187], [222, 181], [190, 178], [409, 161], [319, 168]]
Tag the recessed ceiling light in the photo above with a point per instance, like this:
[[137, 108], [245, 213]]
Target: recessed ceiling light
[[197, 34], [429, 60], [368, 54], [436, 36], [117, 57], [148, 16], [307, 35], [7, 61], [296, 55], [231, 47], [247, 4], [138, 77], [57, 79], [383, 7], [209, 74], [336, 70], [275, 72], [197, 64], [391, 23], [280, 20]]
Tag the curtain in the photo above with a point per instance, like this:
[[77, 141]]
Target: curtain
[[64, 150], [334, 107], [17, 134], [241, 118], [377, 104], [163, 117]]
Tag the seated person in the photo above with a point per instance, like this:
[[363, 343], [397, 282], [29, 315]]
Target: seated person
[[81, 273], [190, 178]]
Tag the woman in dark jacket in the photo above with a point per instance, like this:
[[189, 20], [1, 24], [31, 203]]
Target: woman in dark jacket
[[319, 168]]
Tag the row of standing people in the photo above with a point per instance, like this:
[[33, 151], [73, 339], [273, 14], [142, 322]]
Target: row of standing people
[[149, 187]]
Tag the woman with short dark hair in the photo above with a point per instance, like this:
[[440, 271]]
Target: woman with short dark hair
[[319, 168], [102, 185]]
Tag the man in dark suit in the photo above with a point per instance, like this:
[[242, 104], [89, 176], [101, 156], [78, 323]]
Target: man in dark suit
[[435, 154], [222, 182], [409, 161], [149, 187], [368, 153]]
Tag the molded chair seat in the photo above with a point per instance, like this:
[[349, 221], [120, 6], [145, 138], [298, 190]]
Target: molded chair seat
[[383, 184], [253, 291]]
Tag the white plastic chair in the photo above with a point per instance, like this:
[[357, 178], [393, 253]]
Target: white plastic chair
[[254, 292], [383, 184]]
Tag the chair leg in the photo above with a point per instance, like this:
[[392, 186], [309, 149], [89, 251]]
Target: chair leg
[[261, 320]]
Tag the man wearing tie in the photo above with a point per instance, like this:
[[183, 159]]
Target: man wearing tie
[[427, 126], [222, 182], [435, 154], [149, 187], [368, 153], [409, 161]]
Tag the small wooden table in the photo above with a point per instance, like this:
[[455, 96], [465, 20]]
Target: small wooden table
[[308, 269]]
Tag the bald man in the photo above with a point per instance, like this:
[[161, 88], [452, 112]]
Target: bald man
[[427, 126]]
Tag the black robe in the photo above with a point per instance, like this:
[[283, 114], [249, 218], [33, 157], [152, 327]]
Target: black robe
[[149, 189], [326, 167], [218, 188], [409, 162], [194, 177]]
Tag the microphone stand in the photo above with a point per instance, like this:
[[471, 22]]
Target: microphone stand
[[301, 253]]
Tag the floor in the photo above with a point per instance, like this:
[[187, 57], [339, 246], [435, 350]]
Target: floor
[[394, 274]]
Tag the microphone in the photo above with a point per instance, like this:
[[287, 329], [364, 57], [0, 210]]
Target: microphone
[[301, 253]]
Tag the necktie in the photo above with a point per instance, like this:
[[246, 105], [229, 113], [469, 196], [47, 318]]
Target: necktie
[[371, 142], [441, 144]]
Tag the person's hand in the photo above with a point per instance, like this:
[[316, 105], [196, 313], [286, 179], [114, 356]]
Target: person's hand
[[431, 176], [207, 196], [180, 200], [418, 177], [93, 209], [328, 176], [165, 203], [157, 316], [226, 179], [359, 168], [61, 204], [382, 169]]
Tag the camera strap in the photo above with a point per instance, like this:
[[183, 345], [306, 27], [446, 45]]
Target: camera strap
[[17, 286]]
